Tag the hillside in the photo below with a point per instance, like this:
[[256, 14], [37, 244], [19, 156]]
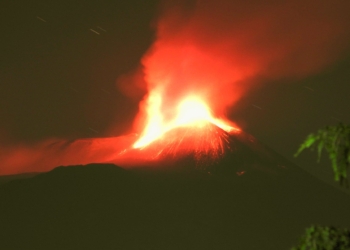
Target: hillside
[[102, 206]]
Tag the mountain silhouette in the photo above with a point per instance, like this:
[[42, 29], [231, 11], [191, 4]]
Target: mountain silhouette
[[211, 150], [251, 198]]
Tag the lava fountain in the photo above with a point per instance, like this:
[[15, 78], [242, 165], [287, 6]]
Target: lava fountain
[[191, 112], [191, 129]]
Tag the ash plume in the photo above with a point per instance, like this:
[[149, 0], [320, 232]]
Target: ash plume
[[222, 48], [217, 50]]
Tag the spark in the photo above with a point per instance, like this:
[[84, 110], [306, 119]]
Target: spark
[[308, 88], [92, 30], [192, 113], [101, 28], [41, 19], [93, 130], [255, 106], [74, 89], [240, 173]]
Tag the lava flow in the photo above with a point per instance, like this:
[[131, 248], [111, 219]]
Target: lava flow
[[192, 129]]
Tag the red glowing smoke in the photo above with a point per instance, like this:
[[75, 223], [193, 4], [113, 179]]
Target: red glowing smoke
[[46, 155], [215, 49]]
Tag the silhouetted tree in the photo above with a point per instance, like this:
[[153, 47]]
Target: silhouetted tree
[[336, 141], [324, 238]]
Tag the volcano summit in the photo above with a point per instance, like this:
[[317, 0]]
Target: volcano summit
[[197, 185]]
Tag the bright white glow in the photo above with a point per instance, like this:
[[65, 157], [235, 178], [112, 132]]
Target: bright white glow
[[192, 110]]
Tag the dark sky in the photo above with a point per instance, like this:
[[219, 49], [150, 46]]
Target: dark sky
[[58, 75], [60, 61]]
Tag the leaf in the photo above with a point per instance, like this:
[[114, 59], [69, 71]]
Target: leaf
[[336, 141], [320, 237], [319, 150], [309, 141]]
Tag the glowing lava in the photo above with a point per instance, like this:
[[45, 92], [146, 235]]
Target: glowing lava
[[193, 122]]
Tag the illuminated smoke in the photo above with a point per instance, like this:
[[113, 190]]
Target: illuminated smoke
[[217, 50], [46, 155], [191, 112]]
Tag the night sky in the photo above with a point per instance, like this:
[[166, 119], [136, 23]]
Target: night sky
[[60, 63]]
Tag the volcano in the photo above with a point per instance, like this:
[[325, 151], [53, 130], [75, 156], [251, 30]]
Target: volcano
[[245, 196], [207, 148], [201, 144]]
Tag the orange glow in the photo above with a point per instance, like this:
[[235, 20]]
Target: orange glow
[[191, 112]]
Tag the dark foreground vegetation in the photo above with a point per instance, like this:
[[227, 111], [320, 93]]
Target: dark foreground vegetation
[[102, 206]]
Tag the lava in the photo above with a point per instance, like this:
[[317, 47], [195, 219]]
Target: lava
[[209, 54], [191, 129], [191, 112]]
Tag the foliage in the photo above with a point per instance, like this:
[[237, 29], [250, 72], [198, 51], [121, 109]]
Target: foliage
[[324, 238], [336, 141]]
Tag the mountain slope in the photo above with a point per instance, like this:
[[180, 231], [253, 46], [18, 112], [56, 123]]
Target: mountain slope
[[102, 206]]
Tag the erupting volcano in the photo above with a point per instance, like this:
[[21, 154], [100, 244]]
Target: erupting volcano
[[192, 112], [113, 136], [206, 56], [193, 129]]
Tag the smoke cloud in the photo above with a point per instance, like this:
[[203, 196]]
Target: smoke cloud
[[46, 155], [217, 49], [214, 49]]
